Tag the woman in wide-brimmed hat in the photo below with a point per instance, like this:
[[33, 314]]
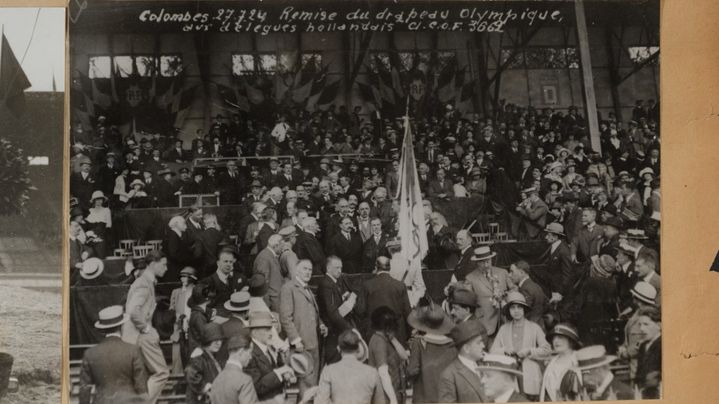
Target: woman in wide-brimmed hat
[[98, 221], [524, 339], [203, 367], [559, 382], [431, 350]]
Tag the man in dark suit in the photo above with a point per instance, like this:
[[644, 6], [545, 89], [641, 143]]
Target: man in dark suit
[[441, 187], [194, 223], [465, 265], [115, 367], [589, 235], [178, 249], [225, 281], [533, 212], [383, 290], [309, 247], [337, 303], [237, 324], [561, 275], [375, 246], [267, 369], [165, 189], [347, 244], [177, 154], [82, 184], [230, 184], [267, 263], [460, 380], [525, 175], [207, 244], [533, 293]]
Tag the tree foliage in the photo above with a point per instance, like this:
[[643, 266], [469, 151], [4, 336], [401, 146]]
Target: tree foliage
[[15, 184]]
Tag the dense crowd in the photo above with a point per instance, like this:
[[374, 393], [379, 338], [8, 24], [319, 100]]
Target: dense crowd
[[316, 196]]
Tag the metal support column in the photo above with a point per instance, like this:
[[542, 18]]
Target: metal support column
[[590, 100]]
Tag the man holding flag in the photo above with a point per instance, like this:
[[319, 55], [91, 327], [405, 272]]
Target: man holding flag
[[407, 263]]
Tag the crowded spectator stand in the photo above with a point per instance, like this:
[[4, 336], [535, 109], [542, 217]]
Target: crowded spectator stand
[[502, 185]]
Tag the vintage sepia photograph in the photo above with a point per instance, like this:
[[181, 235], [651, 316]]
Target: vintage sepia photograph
[[364, 201], [32, 80]]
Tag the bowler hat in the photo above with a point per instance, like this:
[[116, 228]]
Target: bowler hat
[[502, 363], [430, 319], [566, 330], [92, 268], [482, 253], [593, 357], [261, 319], [467, 330], [555, 228], [645, 292], [110, 317], [212, 332], [464, 297], [239, 302]]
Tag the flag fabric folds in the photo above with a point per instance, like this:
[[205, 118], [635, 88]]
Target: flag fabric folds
[[412, 227]]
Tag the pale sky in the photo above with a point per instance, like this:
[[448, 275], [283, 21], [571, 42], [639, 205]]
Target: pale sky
[[46, 54]]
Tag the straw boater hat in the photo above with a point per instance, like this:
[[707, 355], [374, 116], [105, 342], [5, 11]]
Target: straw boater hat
[[110, 317], [239, 302], [636, 234], [98, 195], [646, 170], [502, 363], [593, 357], [482, 253], [301, 363], [555, 228], [566, 330], [430, 319], [605, 265], [92, 268], [645, 292]]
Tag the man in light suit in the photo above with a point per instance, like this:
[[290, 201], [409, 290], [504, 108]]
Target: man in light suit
[[140, 307], [460, 380], [300, 319], [113, 366], [490, 284], [350, 381], [233, 385], [267, 263]]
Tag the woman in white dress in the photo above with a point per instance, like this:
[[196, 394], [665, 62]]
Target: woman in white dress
[[98, 223]]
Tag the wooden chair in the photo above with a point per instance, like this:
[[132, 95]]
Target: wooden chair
[[156, 244], [119, 252], [128, 244], [140, 251], [482, 238]]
